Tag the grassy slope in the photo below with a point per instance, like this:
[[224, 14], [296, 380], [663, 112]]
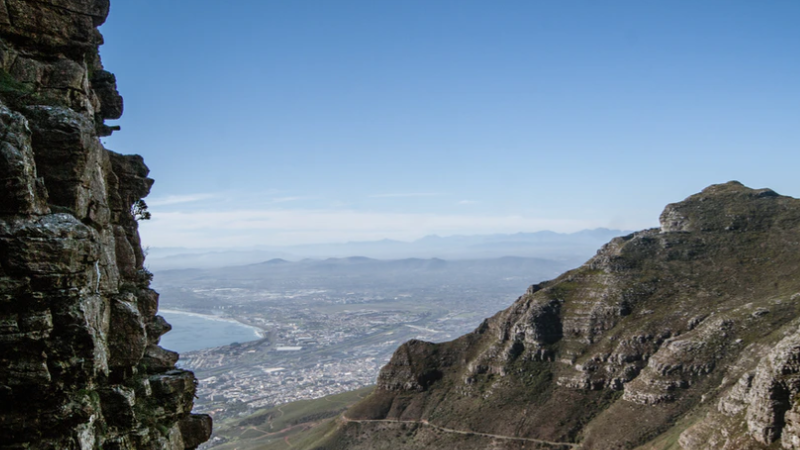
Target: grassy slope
[[280, 427]]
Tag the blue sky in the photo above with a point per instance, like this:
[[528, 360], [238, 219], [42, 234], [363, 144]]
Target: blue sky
[[276, 122]]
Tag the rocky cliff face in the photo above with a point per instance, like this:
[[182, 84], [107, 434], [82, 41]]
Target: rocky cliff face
[[685, 336], [80, 365]]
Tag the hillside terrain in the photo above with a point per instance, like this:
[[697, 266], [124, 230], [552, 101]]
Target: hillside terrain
[[685, 336], [278, 428]]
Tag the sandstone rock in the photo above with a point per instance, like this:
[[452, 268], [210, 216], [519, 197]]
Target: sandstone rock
[[774, 389], [722, 207], [118, 406], [22, 192], [128, 340], [157, 328], [195, 429], [105, 87], [173, 391], [80, 367], [71, 159], [157, 359], [54, 24]]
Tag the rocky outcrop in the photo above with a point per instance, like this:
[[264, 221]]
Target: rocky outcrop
[[687, 334], [80, 365], [759, 404]]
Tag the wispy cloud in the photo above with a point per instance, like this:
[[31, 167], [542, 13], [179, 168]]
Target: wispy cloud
[[291, 199], [177, 199], [408, 194], [467, 202]]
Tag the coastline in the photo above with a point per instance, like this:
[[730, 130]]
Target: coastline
[[260, 334]]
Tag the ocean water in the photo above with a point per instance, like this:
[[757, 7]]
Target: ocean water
[[195, 331]]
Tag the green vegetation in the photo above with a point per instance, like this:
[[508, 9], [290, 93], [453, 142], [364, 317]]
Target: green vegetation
[[139, 210], [283, 426], [13, 92], [9, 85]]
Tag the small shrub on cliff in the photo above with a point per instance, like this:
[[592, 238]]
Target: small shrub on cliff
[[144, 277], [139, 210]]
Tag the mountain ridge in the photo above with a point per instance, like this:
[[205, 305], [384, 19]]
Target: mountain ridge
[[684, 336], [544, 244]]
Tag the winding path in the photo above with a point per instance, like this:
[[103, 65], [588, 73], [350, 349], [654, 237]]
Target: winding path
[[464, 432]]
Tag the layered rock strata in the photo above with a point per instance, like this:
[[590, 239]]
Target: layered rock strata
[[80, 365], [684, 336]]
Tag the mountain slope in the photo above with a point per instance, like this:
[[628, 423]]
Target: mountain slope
[[680, 337]]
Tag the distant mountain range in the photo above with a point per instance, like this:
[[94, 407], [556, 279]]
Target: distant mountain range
[[375, 271], [568, 247], [355, 266]]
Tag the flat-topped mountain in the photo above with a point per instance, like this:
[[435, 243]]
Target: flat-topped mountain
[[685, 336]]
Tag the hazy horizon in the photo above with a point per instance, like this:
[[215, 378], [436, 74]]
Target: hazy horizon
[[388, 240], [574, 247]]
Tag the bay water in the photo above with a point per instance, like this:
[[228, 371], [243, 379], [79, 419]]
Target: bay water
[[192, 331]]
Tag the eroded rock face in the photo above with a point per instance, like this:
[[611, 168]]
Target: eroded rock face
[[628, 351], [80, 365]]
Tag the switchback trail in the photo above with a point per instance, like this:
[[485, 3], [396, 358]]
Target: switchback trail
[[464, 432]]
